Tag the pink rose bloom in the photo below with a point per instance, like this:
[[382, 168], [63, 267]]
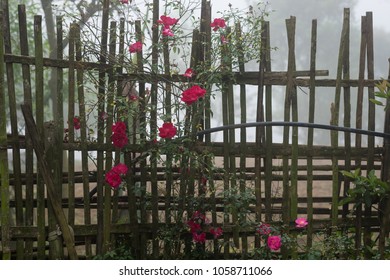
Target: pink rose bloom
[[301, 223], [274, 242], [124, 1]]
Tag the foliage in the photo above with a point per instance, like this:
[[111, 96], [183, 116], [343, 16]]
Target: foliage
[[368, 190], [384, 93]]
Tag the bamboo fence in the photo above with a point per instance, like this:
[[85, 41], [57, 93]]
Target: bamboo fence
[[40, 221]]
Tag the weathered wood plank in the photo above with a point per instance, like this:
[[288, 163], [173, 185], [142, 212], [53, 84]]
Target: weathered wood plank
[[29, 156], [310, 134], [5, 192]]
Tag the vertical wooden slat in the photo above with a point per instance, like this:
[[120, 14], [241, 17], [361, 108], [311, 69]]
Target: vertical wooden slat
[[228, 137], [59, 114], [285, 160], [310, 135], [109, 157], [56, 251], [243, 135], [141, 241], [83, 139], [385, 176], [335, 110], [168, 172], [39, 98], [71, 129], [266, 59], [204, 55], [232, 140], [29, 166], [291, 88], [371, 122], [347, 118], [16, 162], [259, 141], [100, 242], [5, 210], [359, 119]]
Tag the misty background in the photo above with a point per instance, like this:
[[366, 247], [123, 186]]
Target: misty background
[[329, 15]]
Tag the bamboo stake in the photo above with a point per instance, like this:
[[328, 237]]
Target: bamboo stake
[[335, 118], [39, 98], [266, 48], [371, 123], [243, 137], [29, 150], [71, 129], [4, 175], [359, 115], [83, 140], [153, 130], [100, 242], [16, 162], [310, 135]]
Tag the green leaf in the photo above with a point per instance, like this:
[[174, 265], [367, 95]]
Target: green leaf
[[377, 102]]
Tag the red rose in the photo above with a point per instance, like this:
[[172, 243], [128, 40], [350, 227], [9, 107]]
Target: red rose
[[192, 94], [167, 21], [119, 137], [264, 229], [119, 127], [194, 227], [76, 123], [188, 97], [188, 73], [218, 23], [119, 140], [199, 237], [113, 179], [136, 47], [217, 232], [168, 130], [200, 92], [120, 168]]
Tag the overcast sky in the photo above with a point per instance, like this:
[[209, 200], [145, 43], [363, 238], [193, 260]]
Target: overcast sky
[[380, 9]]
